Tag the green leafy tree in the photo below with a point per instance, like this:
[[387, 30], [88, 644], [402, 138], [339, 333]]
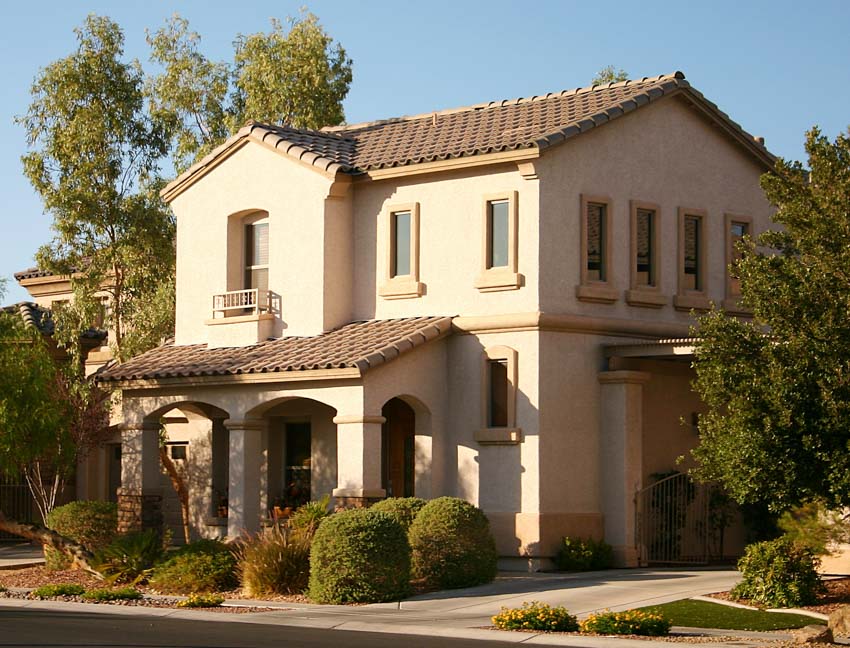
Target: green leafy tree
[[50, 417], [609, 74], [777, 429], [298, 77], [93, 160]]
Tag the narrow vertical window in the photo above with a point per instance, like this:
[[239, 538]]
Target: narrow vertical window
[[693, 279], [498, 397], [498, 234], [597, 214], [400, 255], [737, 231], [257, 256], [645, 248]]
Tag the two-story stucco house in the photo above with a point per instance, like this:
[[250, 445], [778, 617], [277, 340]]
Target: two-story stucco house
[[482, 302]]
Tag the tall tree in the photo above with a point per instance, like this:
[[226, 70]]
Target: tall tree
[[298, 77], [609, 74], [778, 388], [50, 418], [94, 159]]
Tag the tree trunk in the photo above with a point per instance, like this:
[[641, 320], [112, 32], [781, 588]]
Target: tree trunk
[[80, 556], [180, 488]]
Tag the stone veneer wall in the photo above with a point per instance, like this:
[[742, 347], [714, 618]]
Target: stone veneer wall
[[137, 512]]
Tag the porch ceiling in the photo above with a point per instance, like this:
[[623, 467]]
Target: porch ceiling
[[673, 349], [359, 345]]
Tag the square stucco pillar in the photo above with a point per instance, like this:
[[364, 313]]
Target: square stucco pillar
[[621, 454], [359, 479], [140, 495], [246, 476]]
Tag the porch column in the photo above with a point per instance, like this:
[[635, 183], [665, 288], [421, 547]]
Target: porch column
[[359, 479], [621, 456], [245, 476], [140, 495]]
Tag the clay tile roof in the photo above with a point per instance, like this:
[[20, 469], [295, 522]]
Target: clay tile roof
[[32, 273], [512, 124], [359, 345], [42, 319]]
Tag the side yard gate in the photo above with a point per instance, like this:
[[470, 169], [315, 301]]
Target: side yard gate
[[16, 503]]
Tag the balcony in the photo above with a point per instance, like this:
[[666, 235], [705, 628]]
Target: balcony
[[240, 318], [252, 301]]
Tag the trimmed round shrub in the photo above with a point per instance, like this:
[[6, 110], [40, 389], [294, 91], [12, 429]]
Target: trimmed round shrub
[[779, 573], [202, 566], [402, 509], [451, 545], [274, 562], [92, 524], [359, 556]]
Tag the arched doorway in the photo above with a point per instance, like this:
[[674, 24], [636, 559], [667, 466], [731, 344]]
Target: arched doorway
[[398, 460]]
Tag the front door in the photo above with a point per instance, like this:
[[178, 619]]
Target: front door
[[398, 461]]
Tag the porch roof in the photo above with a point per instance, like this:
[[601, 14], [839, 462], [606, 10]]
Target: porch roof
[[358, 345], [670, 349]]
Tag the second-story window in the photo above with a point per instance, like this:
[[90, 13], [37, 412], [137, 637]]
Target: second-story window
[[693, 244], [257, 255], [498, 397], [645, 269], [498, 233], [597, 224], [737, 231], [400, 255]]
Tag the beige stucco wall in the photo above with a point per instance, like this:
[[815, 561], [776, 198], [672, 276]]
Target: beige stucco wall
[[663, 153], [451, 234], [255, 178]]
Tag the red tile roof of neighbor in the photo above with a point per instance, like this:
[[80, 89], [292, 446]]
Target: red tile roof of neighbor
[[359, 345], [526, 123]]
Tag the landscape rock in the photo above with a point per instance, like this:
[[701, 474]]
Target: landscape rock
[[839, 621], [813, 634]]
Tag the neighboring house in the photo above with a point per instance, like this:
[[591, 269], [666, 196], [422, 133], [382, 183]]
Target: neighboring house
[[487, 302]]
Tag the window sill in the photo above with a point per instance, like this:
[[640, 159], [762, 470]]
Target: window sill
[[494, 280], [600, 293], [499, 436], [690, 302], [401, 288], [646, 298], [734, 306]]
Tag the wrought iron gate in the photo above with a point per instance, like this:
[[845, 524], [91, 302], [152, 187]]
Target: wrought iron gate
[[15, 502], [673, 525]]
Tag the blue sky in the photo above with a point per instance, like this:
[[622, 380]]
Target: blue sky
[[776, 67]]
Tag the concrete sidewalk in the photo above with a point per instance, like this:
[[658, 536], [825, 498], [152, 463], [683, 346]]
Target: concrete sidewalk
[[15, 555]]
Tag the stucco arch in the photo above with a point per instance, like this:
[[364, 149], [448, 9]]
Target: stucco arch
[[423, 443], [272, 407]]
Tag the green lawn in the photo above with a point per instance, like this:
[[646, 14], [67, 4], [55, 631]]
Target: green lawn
[[701, 614]]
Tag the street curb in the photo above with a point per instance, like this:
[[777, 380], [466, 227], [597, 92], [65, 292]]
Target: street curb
[[327, 622]]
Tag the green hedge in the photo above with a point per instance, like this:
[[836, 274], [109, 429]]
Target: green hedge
[[402, 509], [359, 556], [92, 524], [451, 545], [576, 554], [779, 573]]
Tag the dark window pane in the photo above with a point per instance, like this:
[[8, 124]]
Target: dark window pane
[[257, 278], [498, 226], [178, 451], [498, 370], [645, 247], [693, 245], [596, 217], [401, 244]]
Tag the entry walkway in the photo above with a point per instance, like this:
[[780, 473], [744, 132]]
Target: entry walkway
[[14, 555]]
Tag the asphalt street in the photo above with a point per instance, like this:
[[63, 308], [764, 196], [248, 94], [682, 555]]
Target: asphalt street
[[48, 629]]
